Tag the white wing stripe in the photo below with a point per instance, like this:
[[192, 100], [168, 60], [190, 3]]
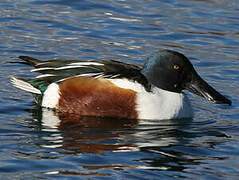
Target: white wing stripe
[[86, 64], [91, 74], [69, 66], [41, 69], [45, 75]]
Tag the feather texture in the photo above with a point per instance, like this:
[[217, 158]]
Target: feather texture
[[21, 84]]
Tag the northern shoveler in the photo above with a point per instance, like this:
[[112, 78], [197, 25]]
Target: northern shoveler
[[117, 89]]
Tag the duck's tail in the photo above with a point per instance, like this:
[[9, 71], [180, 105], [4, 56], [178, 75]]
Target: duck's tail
[[29, 60], [24, 85]]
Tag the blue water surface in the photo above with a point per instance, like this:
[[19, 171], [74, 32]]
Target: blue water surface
[[38, 144]]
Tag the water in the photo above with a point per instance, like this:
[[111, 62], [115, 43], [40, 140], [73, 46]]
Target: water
[[36, 144]]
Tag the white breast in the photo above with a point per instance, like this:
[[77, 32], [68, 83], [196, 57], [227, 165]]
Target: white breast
[[161, 104], [158, 104]]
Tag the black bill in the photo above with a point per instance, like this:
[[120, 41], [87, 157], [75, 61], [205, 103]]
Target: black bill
[[200, 87]]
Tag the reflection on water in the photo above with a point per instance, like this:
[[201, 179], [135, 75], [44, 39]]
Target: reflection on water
[[96, 135], [166, 145]]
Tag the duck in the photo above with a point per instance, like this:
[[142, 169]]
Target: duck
[[115, 89]]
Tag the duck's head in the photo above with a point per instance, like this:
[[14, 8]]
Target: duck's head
[[172, 71]]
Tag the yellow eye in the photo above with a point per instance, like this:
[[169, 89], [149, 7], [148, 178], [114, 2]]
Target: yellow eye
[[176, 67]]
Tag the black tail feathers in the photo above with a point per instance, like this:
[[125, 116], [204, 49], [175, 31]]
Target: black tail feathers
[[29, 60]]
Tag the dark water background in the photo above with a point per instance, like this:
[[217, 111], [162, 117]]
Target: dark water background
[[37, 145]]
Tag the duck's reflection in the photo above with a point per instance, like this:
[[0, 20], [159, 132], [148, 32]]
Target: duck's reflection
[[81, 134]]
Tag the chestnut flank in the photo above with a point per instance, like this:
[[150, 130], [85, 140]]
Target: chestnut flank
[[96, 97]]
